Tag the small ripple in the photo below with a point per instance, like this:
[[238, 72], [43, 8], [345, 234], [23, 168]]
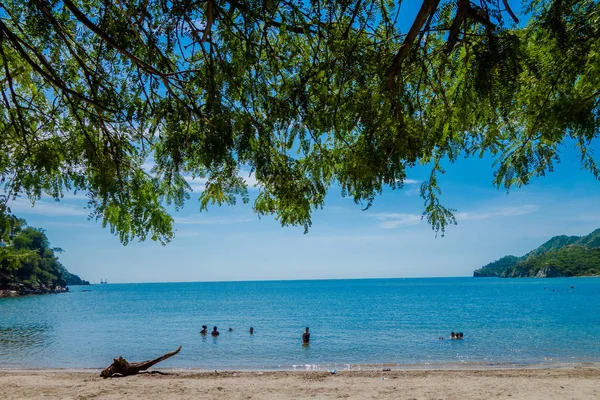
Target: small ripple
[[24, 337]]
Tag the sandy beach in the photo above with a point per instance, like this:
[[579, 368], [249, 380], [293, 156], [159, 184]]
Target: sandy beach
[[570, 382]]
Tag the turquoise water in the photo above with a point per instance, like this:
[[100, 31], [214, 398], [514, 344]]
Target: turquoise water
[[353, 322]]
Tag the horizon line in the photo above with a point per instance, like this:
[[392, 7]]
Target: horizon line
[[283, 280]]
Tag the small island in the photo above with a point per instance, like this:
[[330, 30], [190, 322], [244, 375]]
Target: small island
[[28, 265], [561, 256]]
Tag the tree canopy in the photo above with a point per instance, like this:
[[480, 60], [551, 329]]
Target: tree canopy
[[304, 94]]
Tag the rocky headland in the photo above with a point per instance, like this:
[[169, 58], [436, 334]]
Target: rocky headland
[[561, 256]]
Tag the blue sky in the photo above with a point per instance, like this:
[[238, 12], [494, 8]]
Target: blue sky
[[388, 240]]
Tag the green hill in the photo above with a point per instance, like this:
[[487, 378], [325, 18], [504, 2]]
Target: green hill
[[28, 265], [559, 256], [497, 267]]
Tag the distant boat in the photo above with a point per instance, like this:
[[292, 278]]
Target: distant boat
[[103, 282]]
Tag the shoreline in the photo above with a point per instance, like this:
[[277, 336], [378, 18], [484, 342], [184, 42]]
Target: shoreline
[[26, 291], [383, 367], [582, 383]]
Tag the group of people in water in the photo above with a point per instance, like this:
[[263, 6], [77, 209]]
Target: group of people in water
[[306, 334], [454, 336], [215, 332]]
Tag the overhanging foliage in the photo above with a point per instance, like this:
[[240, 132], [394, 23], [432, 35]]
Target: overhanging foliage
[[304, 94]]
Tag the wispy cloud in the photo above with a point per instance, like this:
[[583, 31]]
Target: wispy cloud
[[197, 184], [23, 206], [186, 234], [199, 219], [76, 196], [414, 191], [499, 212], [397, 220], [63, 224], [411, 186], [408, 181], [148, 165], [250, 179]]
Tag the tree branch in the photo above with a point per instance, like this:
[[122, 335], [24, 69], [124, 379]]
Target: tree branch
[[461, 12], [104, 36], [56, 82], [428, 7], [510, 11]]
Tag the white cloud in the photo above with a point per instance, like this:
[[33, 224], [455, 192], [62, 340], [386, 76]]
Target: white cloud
[[148, 165], [46, 208], [411, 187], [408, 181], [77, 196], [500, 212], [197, 184], [413, 191], [411, 182], [64, 224], [186, 234], [250, 179], [395, 220], [198, 219]]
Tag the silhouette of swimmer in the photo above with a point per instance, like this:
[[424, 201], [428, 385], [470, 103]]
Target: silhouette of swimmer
[[230, 330], [215, 332], [460, 335], [251, 330], [306, 336], [203, 331], [453, 335]]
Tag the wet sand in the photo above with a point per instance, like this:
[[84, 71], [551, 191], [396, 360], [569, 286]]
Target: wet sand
[[569, 382]]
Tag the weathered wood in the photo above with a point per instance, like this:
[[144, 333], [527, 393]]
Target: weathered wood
[[122, 367]]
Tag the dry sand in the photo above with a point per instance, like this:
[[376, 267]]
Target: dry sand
[[571, 382]]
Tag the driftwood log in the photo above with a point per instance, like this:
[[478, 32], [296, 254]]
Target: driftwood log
[[122, 367]]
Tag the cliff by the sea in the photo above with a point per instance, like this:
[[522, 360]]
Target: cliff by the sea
[[28, 265], [560, 256]]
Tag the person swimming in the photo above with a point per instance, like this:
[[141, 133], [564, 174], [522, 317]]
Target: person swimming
[[457, 335], [215, 332], [251, 330], [306, 336], [203, 331], [230, 329]]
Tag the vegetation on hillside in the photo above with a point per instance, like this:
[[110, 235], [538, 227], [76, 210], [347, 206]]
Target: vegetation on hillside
[[559, 256], [306, 95], [571, 260], [496, 268], [27, 262]]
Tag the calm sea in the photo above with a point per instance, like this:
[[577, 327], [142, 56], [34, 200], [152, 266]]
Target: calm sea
[[353, 323]]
